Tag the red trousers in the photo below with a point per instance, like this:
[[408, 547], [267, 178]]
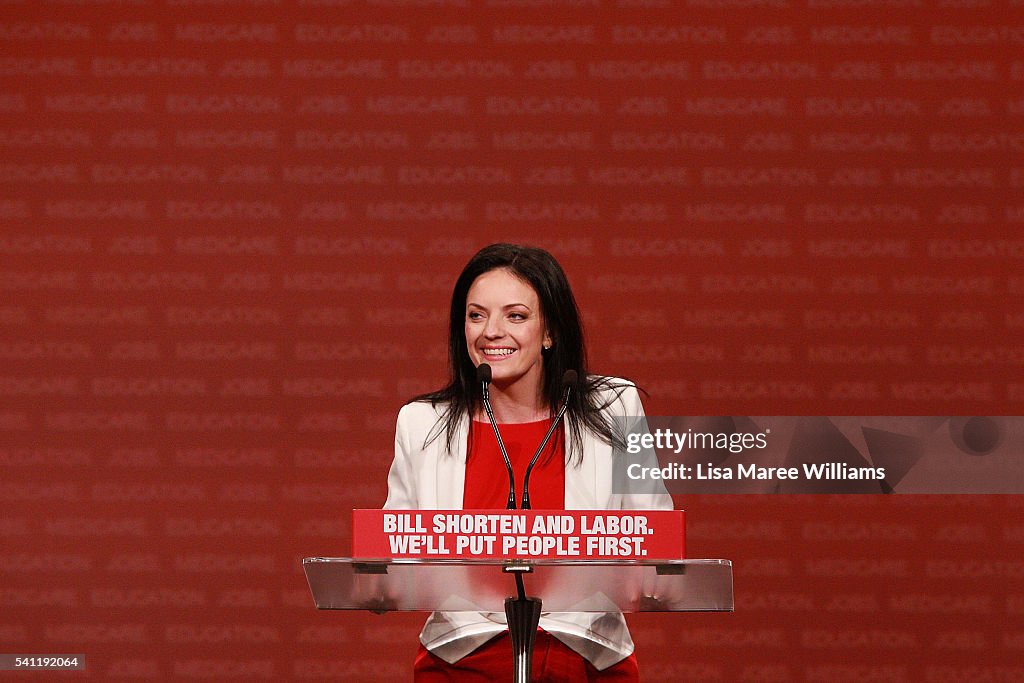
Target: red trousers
[[553, 662]]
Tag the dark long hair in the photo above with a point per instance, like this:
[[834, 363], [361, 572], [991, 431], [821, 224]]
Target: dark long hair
[[589, 399]]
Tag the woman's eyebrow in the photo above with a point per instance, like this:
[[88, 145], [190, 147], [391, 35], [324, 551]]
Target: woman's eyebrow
[[506, 306]]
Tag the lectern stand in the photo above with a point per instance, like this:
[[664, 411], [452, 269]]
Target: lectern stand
[[412, 585]]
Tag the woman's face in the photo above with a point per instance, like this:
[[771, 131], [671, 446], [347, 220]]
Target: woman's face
[[505, 327]]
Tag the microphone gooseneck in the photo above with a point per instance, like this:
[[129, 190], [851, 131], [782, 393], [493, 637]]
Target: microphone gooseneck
[[483, 375], [568, 381]]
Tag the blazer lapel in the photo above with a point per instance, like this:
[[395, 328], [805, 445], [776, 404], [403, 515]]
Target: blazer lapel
[[451, 469], [581, 480]]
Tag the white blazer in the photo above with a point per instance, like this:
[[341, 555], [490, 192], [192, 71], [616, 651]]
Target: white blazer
[[430, 478]]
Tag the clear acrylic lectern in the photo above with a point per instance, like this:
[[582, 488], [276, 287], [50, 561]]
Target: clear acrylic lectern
[[413, 585]]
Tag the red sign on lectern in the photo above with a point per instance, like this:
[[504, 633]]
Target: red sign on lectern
[[519, 534]]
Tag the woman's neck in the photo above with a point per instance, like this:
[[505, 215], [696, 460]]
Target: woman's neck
[[516, 404]]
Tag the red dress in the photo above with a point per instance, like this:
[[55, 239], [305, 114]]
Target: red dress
[[486, 487], [487, 478]]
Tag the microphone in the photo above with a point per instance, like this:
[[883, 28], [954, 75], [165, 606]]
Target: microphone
[[483, 375], [568, 381]]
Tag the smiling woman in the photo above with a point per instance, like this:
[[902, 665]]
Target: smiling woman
[[505, 329], [513, 309]]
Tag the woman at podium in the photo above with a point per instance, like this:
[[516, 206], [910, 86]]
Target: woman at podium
[[512, 309]]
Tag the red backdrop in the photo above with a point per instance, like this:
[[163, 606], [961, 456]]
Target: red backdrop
[[230, 230]]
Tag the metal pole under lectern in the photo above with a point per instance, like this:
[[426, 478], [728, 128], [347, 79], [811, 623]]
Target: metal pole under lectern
[[523, 617]]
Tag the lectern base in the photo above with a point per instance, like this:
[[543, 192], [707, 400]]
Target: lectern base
[[523, 615]]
